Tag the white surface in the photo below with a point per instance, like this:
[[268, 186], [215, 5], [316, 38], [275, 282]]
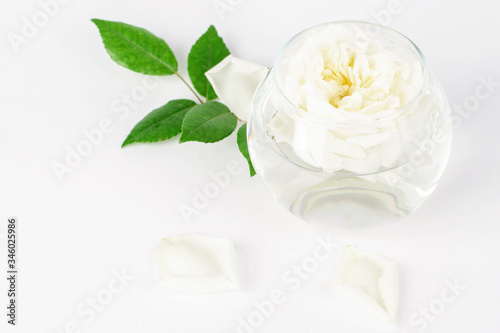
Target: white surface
[[111, 212]]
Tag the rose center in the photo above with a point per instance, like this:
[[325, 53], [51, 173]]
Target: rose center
[[339, 71]]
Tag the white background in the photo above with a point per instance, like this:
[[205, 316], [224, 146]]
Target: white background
[[114, 208]]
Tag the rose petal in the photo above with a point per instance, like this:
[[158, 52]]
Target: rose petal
[[363, 166], [370, 281], [196, 264], [308, 142], [282, 126], [370, 140], [344, 148], [235, 82]]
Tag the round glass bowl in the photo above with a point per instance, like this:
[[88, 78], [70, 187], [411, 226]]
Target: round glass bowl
[[350, 129]]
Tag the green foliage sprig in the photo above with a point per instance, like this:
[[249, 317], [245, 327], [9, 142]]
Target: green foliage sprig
[[206, 121]]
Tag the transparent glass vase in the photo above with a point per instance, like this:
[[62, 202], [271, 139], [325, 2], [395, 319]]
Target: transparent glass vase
[[350, 169]]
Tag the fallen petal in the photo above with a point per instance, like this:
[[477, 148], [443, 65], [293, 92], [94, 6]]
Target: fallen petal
[[196, 264], [370, 281]]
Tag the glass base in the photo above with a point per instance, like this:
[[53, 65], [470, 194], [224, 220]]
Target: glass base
[[350, 207]]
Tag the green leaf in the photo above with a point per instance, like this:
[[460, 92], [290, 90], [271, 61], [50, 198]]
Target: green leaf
[[243, 146], [136, 49], [208, 122], [207, 52], [160, 124]]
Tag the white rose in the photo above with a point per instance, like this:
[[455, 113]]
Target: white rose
[[348, 90]]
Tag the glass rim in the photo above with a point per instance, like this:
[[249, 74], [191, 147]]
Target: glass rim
[[401, 36]]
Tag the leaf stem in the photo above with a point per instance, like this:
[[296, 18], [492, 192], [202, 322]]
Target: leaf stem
[[182, 79]]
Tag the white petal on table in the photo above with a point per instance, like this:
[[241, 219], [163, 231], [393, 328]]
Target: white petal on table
[[196, 264], [370, 281]]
